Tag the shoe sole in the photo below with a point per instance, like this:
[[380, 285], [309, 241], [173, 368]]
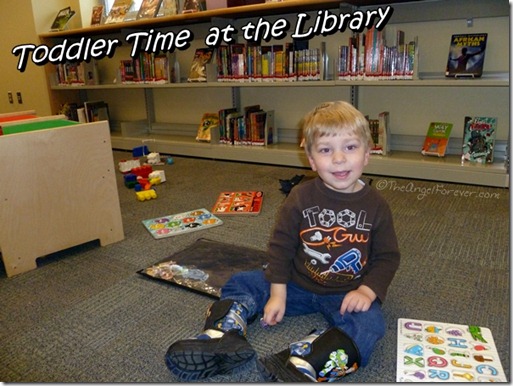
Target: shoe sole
[[195, 359], [276, 368]]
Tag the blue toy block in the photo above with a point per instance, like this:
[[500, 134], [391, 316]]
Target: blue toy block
[[130, 180], [140, 151]]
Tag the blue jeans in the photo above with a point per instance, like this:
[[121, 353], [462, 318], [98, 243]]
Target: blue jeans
[[365, 328]]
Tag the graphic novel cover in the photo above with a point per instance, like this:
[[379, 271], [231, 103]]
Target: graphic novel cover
[[479, 139]]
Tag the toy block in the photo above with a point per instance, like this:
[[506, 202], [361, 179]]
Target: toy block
[[144, 195], [155, 181], [140, 151], [130, 180], [126, 165], [158, 174], [153, 158], [142, 171]]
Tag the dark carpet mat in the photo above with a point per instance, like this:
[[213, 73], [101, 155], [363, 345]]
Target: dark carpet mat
[[205, 266]]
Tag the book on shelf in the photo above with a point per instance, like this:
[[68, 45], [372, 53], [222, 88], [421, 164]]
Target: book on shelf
[[479, 139], [161, 68], [466, 55], [252, 127], [209, 123], [148, 9], [232, 126], [380, 132], [119, 11], [97, 15], [127, 71], [238, 202], [77, 74], [198, 71], [437, 139], [146, 68], [168, 8], [263, 131], [96, 111], [223, 114], [61, 20], [238, 62], [431, 351], [376, 55], [246, 131], [70, 110], [191, 6]]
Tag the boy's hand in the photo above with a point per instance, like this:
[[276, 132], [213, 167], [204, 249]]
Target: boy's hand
[[273, 311], [275, 307], [358, 300]]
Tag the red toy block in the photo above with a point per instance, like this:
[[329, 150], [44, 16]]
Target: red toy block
[[142, 171]]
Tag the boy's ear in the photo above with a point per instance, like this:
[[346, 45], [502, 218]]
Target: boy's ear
[[367, 156], [311, 162]]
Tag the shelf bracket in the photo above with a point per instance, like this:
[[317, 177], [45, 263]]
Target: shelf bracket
[[354, 96], [236, 98], [150, 109]]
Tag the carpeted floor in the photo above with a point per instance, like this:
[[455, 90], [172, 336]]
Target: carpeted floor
[[85, 315]]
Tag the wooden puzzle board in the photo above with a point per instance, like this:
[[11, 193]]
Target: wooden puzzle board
[[441, 352], [179, 223]]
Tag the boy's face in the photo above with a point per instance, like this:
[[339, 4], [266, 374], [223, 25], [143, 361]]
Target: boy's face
[[339, 160]]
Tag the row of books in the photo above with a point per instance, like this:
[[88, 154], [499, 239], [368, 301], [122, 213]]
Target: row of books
[[267, 63], [147, 68], [478, 139], [478, 145], [77, 74], [251, 127], [90, 111], [368, 57]]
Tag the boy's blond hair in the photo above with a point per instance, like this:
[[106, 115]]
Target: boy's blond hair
[[330, 118]]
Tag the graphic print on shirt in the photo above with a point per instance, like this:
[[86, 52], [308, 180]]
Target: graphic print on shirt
[[335, 244]]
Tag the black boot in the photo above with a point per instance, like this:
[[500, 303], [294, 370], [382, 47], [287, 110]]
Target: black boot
[[320, 357], [220, 349]]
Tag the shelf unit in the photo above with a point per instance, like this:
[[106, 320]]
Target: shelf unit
[[147, 118]]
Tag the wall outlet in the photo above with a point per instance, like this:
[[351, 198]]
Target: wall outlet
[[18, 95], [9, 96]]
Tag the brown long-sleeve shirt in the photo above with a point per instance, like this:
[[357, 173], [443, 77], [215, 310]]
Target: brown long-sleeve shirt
[[329, 242]]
